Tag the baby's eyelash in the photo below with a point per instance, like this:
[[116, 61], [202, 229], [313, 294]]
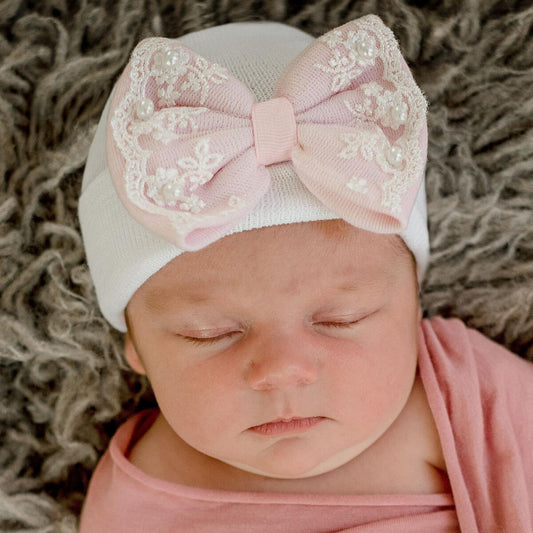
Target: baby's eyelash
[[204, 341], [339, 324]]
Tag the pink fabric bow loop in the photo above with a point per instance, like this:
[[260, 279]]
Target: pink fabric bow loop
[[188, 146], [274, 128]]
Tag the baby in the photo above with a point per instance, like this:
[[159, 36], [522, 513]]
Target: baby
[[254, 216]]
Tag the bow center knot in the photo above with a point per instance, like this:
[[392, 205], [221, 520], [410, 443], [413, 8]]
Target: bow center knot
[[274, 128]]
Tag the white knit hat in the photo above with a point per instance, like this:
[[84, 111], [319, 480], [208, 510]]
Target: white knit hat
[[122, 253]]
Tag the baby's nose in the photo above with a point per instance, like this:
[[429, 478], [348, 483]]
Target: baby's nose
[[282, 363]]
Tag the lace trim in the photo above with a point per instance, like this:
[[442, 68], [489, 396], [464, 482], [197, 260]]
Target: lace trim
[[168, 192], [399, 105]]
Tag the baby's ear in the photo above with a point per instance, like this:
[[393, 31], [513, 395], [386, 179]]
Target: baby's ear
[[132, 356]]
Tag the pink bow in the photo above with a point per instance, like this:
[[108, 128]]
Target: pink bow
[[190, 146]]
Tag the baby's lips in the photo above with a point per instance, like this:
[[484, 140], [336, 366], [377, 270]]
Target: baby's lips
[[282, 426]]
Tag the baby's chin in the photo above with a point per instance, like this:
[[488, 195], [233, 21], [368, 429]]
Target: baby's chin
[[302, 470]]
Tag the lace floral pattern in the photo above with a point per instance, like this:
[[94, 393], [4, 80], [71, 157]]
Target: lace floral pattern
[[169, 188], [168, 125], [168, 191], [352, 53], [394, 102], [372, 146], [175, 74], [380, 104], [358, 185]]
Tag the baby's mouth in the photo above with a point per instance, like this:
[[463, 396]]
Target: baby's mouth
[[283, 426]]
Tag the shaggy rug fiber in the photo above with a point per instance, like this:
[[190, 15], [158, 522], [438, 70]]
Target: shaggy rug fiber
[[64, 385]]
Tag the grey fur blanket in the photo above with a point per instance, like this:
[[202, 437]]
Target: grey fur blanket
[[64, 386]]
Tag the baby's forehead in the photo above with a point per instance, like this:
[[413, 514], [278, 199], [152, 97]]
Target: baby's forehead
[[293, 257], [288, 244]]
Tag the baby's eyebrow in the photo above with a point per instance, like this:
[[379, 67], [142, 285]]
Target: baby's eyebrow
[[369, 284], [195, 298], [160, 300], [349, 287]]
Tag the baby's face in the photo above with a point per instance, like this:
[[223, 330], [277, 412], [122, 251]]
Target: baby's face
[[314, 321]]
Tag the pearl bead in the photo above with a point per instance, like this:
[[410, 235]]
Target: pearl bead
[[170, 59], [170, 193], [366, 48], [144, 108], [399, 112], [394, 156]]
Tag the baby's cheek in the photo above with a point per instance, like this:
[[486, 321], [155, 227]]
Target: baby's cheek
[[394, 377], [202, 406], [391, 389], [377, 375]]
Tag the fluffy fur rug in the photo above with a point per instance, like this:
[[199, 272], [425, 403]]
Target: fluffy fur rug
[[64, 386]]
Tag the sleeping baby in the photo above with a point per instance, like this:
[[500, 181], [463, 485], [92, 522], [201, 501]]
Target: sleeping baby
[[254, 216]]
